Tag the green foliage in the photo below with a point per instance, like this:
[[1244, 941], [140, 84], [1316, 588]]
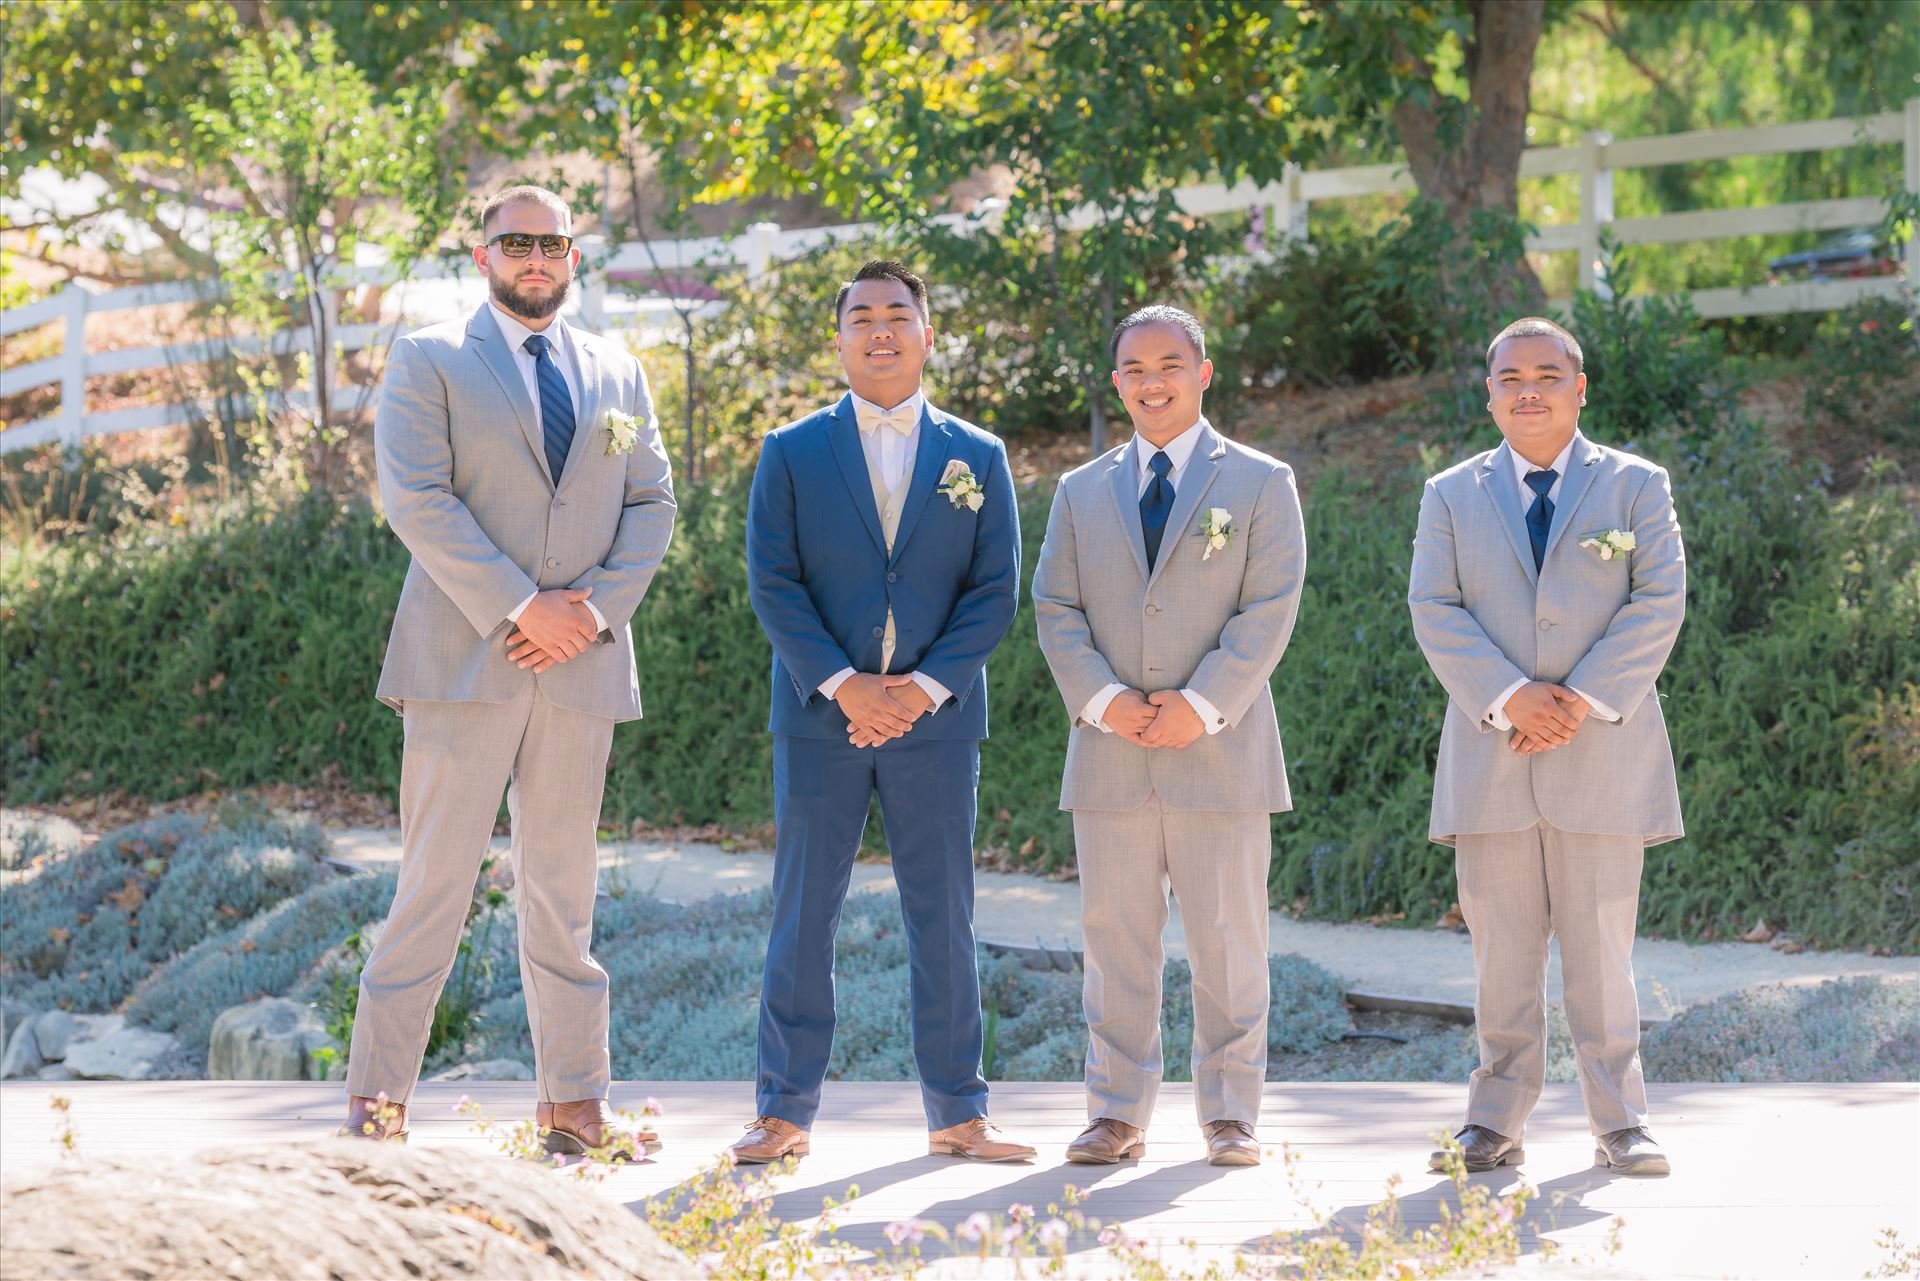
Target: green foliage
[[1858, 1029], [1861, 366]]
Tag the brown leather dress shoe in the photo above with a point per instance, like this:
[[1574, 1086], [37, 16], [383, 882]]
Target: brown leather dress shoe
[[1631, 1151], [1231, 1143], [1482, 1149], [767, 1139], [1107, 1142], [976, 1140], [588, 1127], [377, 1119]]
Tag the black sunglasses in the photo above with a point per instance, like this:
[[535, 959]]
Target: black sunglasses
[[518, 244]]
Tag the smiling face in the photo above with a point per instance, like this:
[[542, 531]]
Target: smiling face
[[1160, 377], [882, 339], [1535, 395], [532, 288]]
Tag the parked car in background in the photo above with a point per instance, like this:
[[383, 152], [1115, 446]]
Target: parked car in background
[[1845, 255]]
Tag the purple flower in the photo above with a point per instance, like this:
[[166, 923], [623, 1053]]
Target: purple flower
[[975, 1227], [1053, 1232]]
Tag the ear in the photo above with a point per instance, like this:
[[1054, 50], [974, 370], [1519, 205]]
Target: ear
[[1206, 374], [1115, 375], [1580, 387], [480, 258]]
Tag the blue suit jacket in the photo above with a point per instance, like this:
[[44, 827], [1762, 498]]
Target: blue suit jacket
[[821, 580]]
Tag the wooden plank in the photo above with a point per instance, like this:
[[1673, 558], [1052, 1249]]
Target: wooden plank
[[15, 320], [1768, 220], [1724, 144], [1807, 295]]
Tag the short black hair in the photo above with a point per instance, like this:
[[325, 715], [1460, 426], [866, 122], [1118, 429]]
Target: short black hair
[[884, 269], [1539, 327], [525, 193], [1160, 314]]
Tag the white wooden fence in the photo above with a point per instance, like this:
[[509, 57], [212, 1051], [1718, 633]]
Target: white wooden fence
[[1284, 208]]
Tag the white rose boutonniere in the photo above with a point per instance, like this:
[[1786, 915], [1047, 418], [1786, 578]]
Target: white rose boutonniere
[[1609, 542], [622, 431], [1217, 527], [962, 490]]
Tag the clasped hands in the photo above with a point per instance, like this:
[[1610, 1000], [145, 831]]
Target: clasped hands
[[1544, 716], [880, 708], [1163, 718], [554, 627]]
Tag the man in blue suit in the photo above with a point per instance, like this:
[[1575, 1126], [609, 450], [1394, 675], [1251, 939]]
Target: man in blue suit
[[883, 558]]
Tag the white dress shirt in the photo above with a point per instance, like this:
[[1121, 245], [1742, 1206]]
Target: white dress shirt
[[567, 360], [1179, 452], [1496, 715], [890, 452]]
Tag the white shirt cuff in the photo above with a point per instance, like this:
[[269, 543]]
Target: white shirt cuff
[[1209, 714], [1497, 714], [1096, 707], [513, 615], [933, 689], [1600, 709], [830, 687], [599, 619]]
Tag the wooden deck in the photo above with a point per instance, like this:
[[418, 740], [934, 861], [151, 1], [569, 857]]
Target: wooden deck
[[1770, 1180]]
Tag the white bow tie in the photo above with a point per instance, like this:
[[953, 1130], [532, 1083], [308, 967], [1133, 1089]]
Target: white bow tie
[[898, 419]]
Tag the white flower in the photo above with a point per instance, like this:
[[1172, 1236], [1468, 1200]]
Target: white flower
[[1610, 542], [1217, 527], [1053, 1232], [622, 431], [960, 486], [976, 1226]]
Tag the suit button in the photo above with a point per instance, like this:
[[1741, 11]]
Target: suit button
[[552, 563], [892, 577], [1546, 624], [1153, 609], [879, 631]]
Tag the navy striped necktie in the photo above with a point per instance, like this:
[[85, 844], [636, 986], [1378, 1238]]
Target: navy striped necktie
[[556, 405], [1156, 504], [1540, 515]]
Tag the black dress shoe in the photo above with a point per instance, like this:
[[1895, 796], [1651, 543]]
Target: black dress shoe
[[1631, 1151], [1482, 1150]]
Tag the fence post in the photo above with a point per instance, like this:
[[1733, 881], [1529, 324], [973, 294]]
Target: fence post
[[1286, 217], [73, 373], [757, 252], [1596, 209], [593, 286]]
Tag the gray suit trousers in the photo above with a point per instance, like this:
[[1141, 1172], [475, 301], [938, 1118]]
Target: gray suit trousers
[[458, 758], [1517, 891], [1216, 863]]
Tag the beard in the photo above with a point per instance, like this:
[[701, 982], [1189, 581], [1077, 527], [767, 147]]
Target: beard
[[531, 306]]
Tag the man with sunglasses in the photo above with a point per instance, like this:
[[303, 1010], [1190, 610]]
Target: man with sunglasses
[[520, 462]]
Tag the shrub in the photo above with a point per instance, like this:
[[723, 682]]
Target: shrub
[[1858, 1029]]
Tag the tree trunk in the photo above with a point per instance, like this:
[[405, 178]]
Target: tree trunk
[[1478, 167]]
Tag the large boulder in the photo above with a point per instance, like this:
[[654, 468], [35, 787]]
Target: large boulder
[[335, 1209], [56, 1030], [268, 1040], [126, 1053], [22, 1056], [12, 1014]]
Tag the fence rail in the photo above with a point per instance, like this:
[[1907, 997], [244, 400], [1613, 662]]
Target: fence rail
[[1283, 208]]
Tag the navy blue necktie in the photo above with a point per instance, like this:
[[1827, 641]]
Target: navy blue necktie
[[1540, 515], [556, 406], [1156, 504]]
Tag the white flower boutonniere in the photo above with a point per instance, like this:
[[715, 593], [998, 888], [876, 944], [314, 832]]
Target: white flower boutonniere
[[1609, 542], [622, 431], [960, 487], [1217, 526]]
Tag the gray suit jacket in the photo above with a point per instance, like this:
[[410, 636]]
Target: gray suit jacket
[[1485, 618], [1217, 626], [465, 483]]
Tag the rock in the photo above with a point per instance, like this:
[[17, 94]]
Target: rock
[[23, 1053], [123, 1054], [12, 1014], [55, 1072], [339, 1209], [57, 1029], [268, 1040], [486, 1070]]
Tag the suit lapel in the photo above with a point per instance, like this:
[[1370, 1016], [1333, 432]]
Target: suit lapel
[[1573, 488], [492, 346], [1202, 466], [929, 460], [1124, 477], [843, 437], [587, 412], [1496, 482]]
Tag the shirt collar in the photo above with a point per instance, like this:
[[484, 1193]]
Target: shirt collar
[[516, 333], [1521, 467], [1178, 450], [916, 403]]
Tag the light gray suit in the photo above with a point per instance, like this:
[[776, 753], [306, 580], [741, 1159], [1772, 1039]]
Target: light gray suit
[[1552, 843], [1195, 819], [466, 486]]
